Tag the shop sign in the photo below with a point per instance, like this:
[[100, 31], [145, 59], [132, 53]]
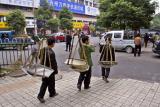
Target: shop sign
[[24, 3], [3, 25], [91, 11], [78, 25], [73, 7]]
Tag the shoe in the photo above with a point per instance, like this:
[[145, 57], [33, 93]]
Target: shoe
[[53, 95], [103, 77], [79, 87], [106, 80], [87, 87], [41, 100]]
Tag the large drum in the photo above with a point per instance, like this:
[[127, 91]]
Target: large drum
[[78, 65], [38, 70]]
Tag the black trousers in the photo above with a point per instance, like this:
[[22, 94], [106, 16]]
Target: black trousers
[[105, 72], [68, 45], [86, 77], [145, 43], [47, 82], [137, 47]]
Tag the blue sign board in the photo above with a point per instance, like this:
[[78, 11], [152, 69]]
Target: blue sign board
[[73, 7]]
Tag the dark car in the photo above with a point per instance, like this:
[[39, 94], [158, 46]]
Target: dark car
[[156, 48]]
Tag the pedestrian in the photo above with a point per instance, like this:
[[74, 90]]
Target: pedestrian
[[146, 38], [137, 42], [50, 62], [155, 38], [68, 41], [82, 34], [107, 54], [85, 53]]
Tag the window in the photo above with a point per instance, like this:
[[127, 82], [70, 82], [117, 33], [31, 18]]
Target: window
[[86, 3], [2, 19], [128, 35], [117, 35], [90, 3], [108, 35]]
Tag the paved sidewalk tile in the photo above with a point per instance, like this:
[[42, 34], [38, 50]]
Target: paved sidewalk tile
[[22, 92]]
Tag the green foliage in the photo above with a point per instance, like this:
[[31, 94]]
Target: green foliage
[[44, 12], [66, 24], [53, 24], [92, 28], [122, 14], [65, 17], [65, 13], [16, 21], [155, 23]]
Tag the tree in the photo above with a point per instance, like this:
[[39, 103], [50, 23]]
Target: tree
[[43, 14], [65, 17], [16, 21], [66, 24], [122, 14], [155, 23], [53, 24]]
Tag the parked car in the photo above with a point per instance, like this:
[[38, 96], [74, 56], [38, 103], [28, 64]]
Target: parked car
[[156, 49], [59, 37], [121, 40]]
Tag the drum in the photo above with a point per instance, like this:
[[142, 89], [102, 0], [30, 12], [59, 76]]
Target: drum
[[107, 64], [38, 70], [78, 65]]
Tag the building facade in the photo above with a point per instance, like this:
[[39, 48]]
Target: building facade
[[26, 6], [84, 11]]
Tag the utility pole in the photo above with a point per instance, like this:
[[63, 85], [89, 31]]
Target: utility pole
[[34, 19]]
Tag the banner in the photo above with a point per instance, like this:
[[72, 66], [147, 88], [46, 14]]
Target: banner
[[24, 3], [73, 7]]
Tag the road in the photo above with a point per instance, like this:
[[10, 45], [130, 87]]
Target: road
[[146, 67]]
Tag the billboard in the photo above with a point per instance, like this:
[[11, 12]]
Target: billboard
[[73, 7], [23, 3], [91, 11]]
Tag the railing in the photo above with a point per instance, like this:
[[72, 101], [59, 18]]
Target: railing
[[11, 51]]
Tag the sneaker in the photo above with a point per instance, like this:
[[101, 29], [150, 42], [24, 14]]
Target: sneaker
[[53, 95], [87, 87], [79, 87], [41, 100]]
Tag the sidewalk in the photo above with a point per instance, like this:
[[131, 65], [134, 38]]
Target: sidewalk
[[22, 92]]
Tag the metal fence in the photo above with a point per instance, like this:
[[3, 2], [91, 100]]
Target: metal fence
[[10, 52]]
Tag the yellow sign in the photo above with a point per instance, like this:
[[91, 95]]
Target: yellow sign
[[3, 25], [78, 25]]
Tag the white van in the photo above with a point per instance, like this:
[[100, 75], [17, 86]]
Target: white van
[[121, 40]]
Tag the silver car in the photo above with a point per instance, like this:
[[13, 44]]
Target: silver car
[[121, 40]]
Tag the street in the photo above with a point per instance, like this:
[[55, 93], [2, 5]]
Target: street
[[145, 68], [130, 84]]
